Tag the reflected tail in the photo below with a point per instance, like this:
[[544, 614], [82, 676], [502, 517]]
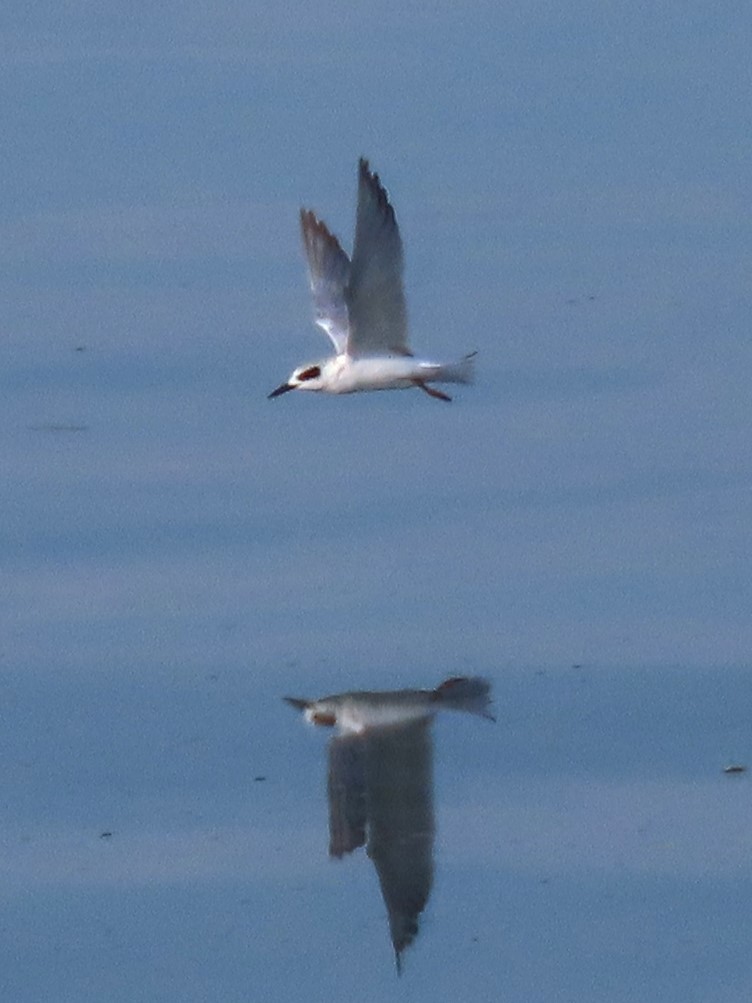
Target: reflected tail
[[469, 694]]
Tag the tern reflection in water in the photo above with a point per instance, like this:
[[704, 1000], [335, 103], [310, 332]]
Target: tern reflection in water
[[380, 786]]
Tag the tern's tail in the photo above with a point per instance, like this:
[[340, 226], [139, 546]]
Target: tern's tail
[[458, 372], [472, 695]]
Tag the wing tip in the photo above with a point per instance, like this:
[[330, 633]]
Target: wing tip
[[311, 225], [319, 241], [372, 182]]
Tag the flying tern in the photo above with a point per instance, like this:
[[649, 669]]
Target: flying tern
[[360, 304], [380, 786]]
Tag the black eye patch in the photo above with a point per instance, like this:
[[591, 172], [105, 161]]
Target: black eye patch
[[310, 374]]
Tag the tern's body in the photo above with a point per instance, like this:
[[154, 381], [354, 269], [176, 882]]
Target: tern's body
[[359, 711], [360, 304], [342, 374]]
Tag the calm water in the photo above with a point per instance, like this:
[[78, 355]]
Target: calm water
[[177, 552]]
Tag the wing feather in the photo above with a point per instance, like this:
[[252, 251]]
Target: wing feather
[[399, 785], [374, 296], [328, 274], [347, 795]]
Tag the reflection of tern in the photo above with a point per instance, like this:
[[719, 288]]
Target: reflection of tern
[[380, 786], [361, 306]]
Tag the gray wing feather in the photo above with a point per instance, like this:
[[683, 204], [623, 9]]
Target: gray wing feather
[[329, 274], [374, 296], [399, 785], [347, 795]]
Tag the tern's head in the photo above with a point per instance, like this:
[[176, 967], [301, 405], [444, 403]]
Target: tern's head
[[323, 712], [312, 376]]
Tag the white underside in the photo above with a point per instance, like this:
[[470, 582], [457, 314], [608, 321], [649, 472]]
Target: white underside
[[354, 716], [344, 375]]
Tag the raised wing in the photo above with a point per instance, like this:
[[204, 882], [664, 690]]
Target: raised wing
[[399, 790], [328, 274], [374, 296]]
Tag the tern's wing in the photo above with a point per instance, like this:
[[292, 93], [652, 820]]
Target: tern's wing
[[399, 791], [374, 296], [328, 274], [347, 796]]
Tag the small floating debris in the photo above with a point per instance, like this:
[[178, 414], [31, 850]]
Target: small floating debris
[[105, 835], [734, 768], [259, 779]]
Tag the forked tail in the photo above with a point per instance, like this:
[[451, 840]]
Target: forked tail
[[461, 693], [458, 372]]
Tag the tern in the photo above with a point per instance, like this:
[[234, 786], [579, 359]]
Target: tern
[[360, 304], [380, 786]]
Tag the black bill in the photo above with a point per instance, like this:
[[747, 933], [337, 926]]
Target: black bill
[[281, 390]]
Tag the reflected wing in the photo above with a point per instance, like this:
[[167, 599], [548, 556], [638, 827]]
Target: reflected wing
[[347, 796], [399, 785], [375, 298], [328, 274]]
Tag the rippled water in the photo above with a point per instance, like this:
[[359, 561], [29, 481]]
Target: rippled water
[[177, 553]]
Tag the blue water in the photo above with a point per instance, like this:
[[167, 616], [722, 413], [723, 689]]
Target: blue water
[[177, 553]]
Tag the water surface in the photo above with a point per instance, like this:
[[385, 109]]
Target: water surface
[[177, 552]]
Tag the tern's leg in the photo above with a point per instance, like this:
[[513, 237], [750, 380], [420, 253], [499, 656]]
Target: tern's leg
[[432, 391]]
